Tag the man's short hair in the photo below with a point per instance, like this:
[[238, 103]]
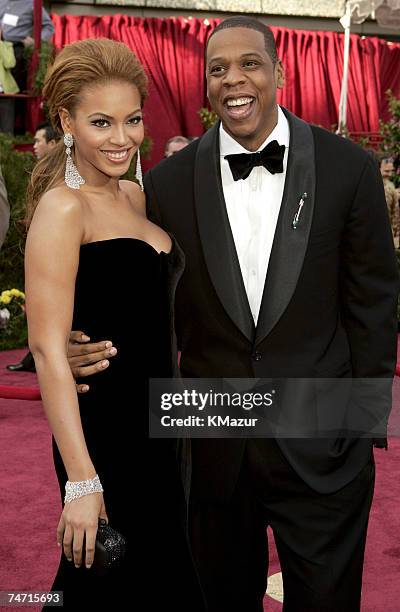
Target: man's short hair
[[50, 132], [181, 139], [242, 21], [381, 156]]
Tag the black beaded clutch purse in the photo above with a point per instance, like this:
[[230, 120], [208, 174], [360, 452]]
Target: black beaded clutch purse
[[109, 549]]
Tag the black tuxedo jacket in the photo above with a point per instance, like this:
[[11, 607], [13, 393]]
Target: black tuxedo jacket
[[329, 301]]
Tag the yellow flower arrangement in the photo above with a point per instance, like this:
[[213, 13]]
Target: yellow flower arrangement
[[14, 299], [12, 318], [7, 296]]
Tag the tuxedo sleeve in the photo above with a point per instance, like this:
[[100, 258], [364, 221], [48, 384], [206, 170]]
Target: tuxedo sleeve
[[369, 291], [369, 279], [153, 211]]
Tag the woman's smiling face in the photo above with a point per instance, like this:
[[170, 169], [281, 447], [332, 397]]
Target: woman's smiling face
[[107, 126]]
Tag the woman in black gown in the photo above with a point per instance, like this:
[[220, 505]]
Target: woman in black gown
[[141, 488], [94, 262]]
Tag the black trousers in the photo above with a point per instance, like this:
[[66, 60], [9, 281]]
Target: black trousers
[[7, 115], [320, 538], [20, 74], [20, 70]]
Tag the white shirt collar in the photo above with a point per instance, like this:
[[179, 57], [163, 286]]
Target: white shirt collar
[[281, 133]]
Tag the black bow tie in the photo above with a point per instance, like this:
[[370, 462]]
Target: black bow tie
[[271, 157]]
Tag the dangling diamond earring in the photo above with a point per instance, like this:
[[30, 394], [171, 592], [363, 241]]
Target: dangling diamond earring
[[139, 170], [72, 177]]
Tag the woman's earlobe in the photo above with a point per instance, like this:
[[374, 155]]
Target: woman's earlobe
[[64, 120]]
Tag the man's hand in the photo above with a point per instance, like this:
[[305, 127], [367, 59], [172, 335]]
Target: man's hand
[[28, 41], [86, 358]]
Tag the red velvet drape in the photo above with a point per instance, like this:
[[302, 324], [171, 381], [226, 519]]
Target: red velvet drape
[[314, 67], [172, 52]]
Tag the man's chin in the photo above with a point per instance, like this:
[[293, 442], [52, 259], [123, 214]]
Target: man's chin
[[239, 130]]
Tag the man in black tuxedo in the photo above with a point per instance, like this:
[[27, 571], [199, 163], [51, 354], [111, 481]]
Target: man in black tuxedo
[[290, 272]]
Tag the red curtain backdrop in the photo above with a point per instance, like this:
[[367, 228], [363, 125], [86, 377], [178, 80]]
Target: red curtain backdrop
[[172, 51], [314, 67]]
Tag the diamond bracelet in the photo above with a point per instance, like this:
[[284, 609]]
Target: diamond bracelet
[[73, 490]]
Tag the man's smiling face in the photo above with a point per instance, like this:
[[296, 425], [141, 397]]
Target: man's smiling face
[[241, 84]]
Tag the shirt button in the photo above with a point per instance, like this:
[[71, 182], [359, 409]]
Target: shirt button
[[257, 356], [253, 272]]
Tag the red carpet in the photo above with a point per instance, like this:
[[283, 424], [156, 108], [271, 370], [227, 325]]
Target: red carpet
[[30, 506], [23, 393], [17, 385], [29, 499]]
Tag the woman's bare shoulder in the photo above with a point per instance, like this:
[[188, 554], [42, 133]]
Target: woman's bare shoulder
[[135, 194], [59, 209], [60, 198], [63, 194]]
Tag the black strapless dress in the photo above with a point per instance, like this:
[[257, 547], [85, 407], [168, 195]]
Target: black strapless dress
[[122, 294]]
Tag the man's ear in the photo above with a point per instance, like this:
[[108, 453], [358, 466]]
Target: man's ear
[[66, 120], [279, 74]]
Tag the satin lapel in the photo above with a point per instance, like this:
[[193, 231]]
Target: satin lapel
[[216, 235], [289, 246]]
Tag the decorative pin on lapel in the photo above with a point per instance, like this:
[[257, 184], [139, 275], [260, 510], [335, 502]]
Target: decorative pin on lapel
[[296, 218]]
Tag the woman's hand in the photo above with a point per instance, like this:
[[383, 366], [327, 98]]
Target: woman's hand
[[79, 519]]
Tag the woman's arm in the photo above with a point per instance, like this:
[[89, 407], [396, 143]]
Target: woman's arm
[[51, 262]]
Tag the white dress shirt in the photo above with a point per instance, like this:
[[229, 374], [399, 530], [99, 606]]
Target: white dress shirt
[[253, 206]]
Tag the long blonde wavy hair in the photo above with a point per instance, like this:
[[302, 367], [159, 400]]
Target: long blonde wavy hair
[[82, 63]]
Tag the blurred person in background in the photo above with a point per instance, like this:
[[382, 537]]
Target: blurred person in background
[[8, 85], [45, 139], [386, 165], [175, 144], [16, 21]]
